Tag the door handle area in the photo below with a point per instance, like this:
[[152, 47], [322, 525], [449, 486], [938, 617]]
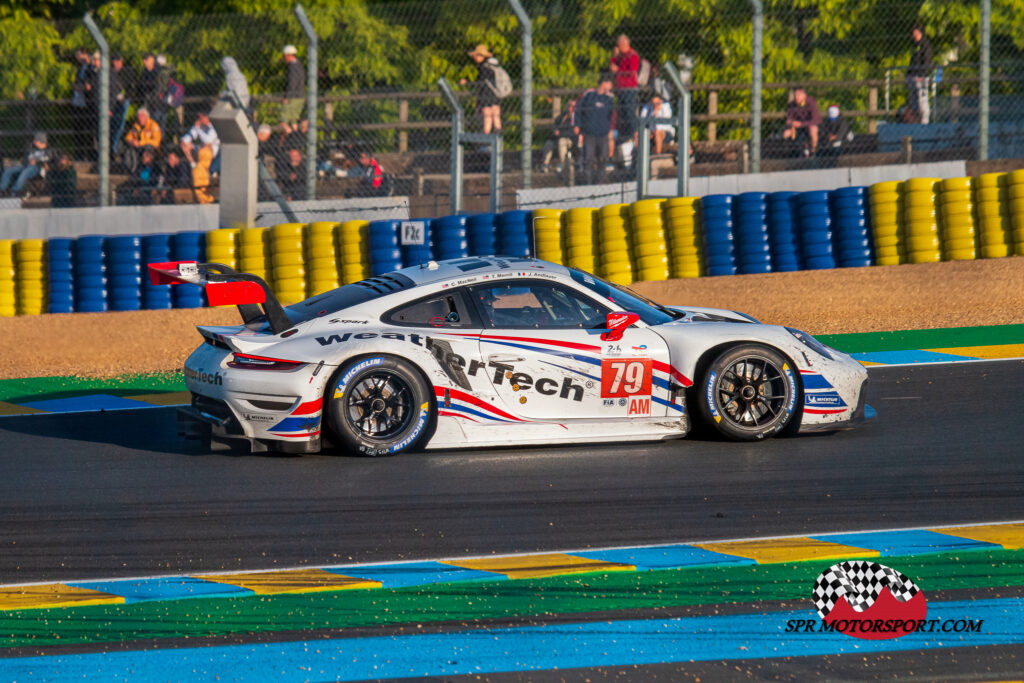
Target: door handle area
[[504, 358]]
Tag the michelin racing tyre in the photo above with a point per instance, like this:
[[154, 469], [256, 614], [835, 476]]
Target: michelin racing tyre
[[379, 406], [749, 392]]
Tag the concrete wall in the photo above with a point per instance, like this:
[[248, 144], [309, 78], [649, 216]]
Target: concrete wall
[[795, 181], [143, 220]]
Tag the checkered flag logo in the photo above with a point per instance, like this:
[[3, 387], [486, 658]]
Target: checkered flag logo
[[860, 583]]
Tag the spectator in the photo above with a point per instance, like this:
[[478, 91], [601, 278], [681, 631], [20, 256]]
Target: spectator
[[918, 75], [177, 175], [296, 137], [835, 131], [122, 85], [172, 100], [594, 123], [144, 133], [37, 155], [488, 103], [625, 66], [294, 89], [81, 116], [270, 148], [375, 183], [145, 180], [234, 81], [203, 133], [201, 175], [62, 182], [659, 86], [663, 133], [292, 177], [149, 85], [562, 137], [802, 121]]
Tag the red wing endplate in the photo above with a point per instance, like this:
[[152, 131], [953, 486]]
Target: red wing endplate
[[232, 293]]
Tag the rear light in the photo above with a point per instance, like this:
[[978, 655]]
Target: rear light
[[248, 362]]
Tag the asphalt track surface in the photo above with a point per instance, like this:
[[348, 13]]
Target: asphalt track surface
[[114, 494]]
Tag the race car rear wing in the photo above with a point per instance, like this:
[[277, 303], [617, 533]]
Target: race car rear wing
[[225, 286]]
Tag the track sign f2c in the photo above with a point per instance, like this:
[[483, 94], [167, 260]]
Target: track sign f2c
[[413, 233]]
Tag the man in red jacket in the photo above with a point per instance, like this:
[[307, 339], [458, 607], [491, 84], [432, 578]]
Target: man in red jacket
[[625, 66]]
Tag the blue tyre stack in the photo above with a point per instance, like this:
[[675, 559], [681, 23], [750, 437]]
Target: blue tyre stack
[[783, 227], [815, 230], [61, 276], [124, 272], [750, 223], [418, 254], [850, 231], [482, 235], [385, 256], [716, 215], [515, 232], [155, 249], [188, 246], [90, 274], [450, 239]]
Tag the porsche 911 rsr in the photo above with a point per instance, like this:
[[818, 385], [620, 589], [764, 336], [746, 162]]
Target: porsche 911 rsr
[[495, 352]]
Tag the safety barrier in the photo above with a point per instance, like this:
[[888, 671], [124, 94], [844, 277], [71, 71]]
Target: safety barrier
[[920, 220]]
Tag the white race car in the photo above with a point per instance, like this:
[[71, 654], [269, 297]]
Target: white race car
[[493, 351]]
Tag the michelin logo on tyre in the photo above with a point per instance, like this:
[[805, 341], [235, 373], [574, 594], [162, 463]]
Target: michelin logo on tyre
[[353, 371]]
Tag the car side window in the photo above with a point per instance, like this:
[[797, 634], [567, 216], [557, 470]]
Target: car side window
[[445, 310], [536, 305]]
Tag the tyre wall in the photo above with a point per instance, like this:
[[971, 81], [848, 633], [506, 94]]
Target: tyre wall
[[921, 220]]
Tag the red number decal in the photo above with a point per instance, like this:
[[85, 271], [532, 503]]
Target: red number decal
[[625, 377]]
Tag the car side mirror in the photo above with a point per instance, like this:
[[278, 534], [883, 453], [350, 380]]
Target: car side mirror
[[617, 322]]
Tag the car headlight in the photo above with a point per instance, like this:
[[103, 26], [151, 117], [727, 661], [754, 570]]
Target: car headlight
[[810, 342]]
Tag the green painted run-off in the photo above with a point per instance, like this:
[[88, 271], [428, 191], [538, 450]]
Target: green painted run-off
[[44, 388], [471, 601], [913, 340]]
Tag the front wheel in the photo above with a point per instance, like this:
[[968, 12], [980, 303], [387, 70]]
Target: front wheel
[[379, 406], [748, 393]]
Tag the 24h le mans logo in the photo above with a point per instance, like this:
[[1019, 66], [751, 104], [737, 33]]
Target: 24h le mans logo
[[869, 600]]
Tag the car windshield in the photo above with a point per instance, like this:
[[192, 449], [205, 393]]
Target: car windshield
[[624, 299]]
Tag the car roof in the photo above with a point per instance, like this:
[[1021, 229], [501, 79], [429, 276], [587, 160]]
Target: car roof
[[474, 268]]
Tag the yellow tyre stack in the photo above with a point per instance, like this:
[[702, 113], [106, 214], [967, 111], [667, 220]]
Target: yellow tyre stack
[[289, 261], [8, 299], [616, 261], [682, 228], [993, 209], [322, 258], [31, 276], [1015, 189], [222, 247], [354, 251], [254, 257], [549, 244], [581, 238], [648, 238], [957, 219], [921, 220], [886, 204]]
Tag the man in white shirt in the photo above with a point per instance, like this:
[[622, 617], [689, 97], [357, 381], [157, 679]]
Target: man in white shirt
[[663, 133], [201, 134]]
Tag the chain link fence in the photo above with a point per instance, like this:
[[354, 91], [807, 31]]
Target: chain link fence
[[382, 127]]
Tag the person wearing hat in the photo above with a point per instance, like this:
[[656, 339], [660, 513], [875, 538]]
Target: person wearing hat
[[488, 104], [802, 121], [37, 156], [294, 88]]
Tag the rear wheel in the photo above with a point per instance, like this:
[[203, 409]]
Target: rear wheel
[[379, 406], [748, 393]]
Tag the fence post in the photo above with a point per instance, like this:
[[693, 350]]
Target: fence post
[[680, 81], [455, 189], [311, 99], [986, 78], [712, 111], [755, 87], [873, 107], [102, 108], [403, 117], [527, 122]]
